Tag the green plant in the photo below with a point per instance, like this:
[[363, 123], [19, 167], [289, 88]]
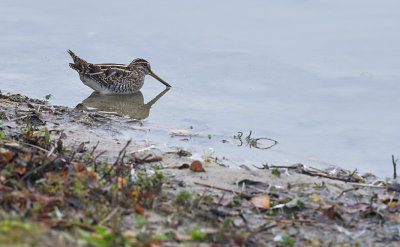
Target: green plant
[[47, 136], [299, 203], [102, 238], [140, 221], [197, 234], [317, 185], [276, 172], [237, 201], [287, 240], [182, 197]]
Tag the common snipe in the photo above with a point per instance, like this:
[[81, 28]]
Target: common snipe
[[113, 78]]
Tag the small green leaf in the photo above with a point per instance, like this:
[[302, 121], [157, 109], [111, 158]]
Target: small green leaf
[[299, 203], [160, 237], [197, 234], [159, 175], [276, 172], [47, 135], [209, 136], [182, 197], [317, 185], [288, 240], [100, 230], [140, 220], [48, 96], [237, 200]]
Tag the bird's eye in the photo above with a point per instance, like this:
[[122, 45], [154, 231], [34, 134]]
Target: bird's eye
[[145, 65]]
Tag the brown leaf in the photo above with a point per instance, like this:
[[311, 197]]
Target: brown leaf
[[389, 201], [5, 187], [122, 182], [261, 201], [5, 155], [330, 212], [238, 240], [139, 209], [91, 175], [59, 145], [20, 169], [184, 166], [146, 198], [25, 156], [79, 167], [196, 166]]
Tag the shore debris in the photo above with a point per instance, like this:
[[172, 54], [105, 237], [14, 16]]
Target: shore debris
[[197, 166], [54, 191]]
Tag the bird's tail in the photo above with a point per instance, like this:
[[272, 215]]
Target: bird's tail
[[79, 64]]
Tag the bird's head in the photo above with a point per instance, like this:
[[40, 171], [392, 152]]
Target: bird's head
[[144, 66]]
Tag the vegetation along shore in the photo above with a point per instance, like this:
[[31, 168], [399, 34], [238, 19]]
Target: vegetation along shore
[[69, 177]]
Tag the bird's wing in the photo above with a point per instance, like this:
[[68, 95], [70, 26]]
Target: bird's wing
[[109, 74], [101, 70]]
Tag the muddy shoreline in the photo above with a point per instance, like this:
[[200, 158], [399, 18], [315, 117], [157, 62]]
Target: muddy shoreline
[[264, 206]]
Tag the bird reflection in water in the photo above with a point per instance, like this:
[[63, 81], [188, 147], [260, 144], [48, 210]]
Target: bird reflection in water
[[124, 104]]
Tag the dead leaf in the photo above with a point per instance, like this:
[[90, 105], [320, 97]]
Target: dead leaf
[[5, 155], [25, 156], [139, 209], [91, 175], [79, 167], [122, 182], [5, 187], [196, 166], [59, 145], [20, 169], [261, 201], [184, 166], [239, 241], [330, 212], [389, 201]]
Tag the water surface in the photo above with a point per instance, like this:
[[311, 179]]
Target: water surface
[[321, 78]]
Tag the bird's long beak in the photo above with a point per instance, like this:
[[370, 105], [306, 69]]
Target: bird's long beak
[[158, 78]]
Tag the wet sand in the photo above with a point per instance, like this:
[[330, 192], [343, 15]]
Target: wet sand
[[318, 193]]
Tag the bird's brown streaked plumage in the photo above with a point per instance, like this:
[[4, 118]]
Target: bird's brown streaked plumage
[[113, 78]]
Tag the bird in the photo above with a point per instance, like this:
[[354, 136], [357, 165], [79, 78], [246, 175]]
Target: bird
[[110, 78]]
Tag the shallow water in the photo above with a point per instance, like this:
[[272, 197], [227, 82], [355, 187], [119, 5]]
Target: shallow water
[[320, 78]]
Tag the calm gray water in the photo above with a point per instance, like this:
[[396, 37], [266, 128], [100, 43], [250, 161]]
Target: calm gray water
[[320, 77]]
